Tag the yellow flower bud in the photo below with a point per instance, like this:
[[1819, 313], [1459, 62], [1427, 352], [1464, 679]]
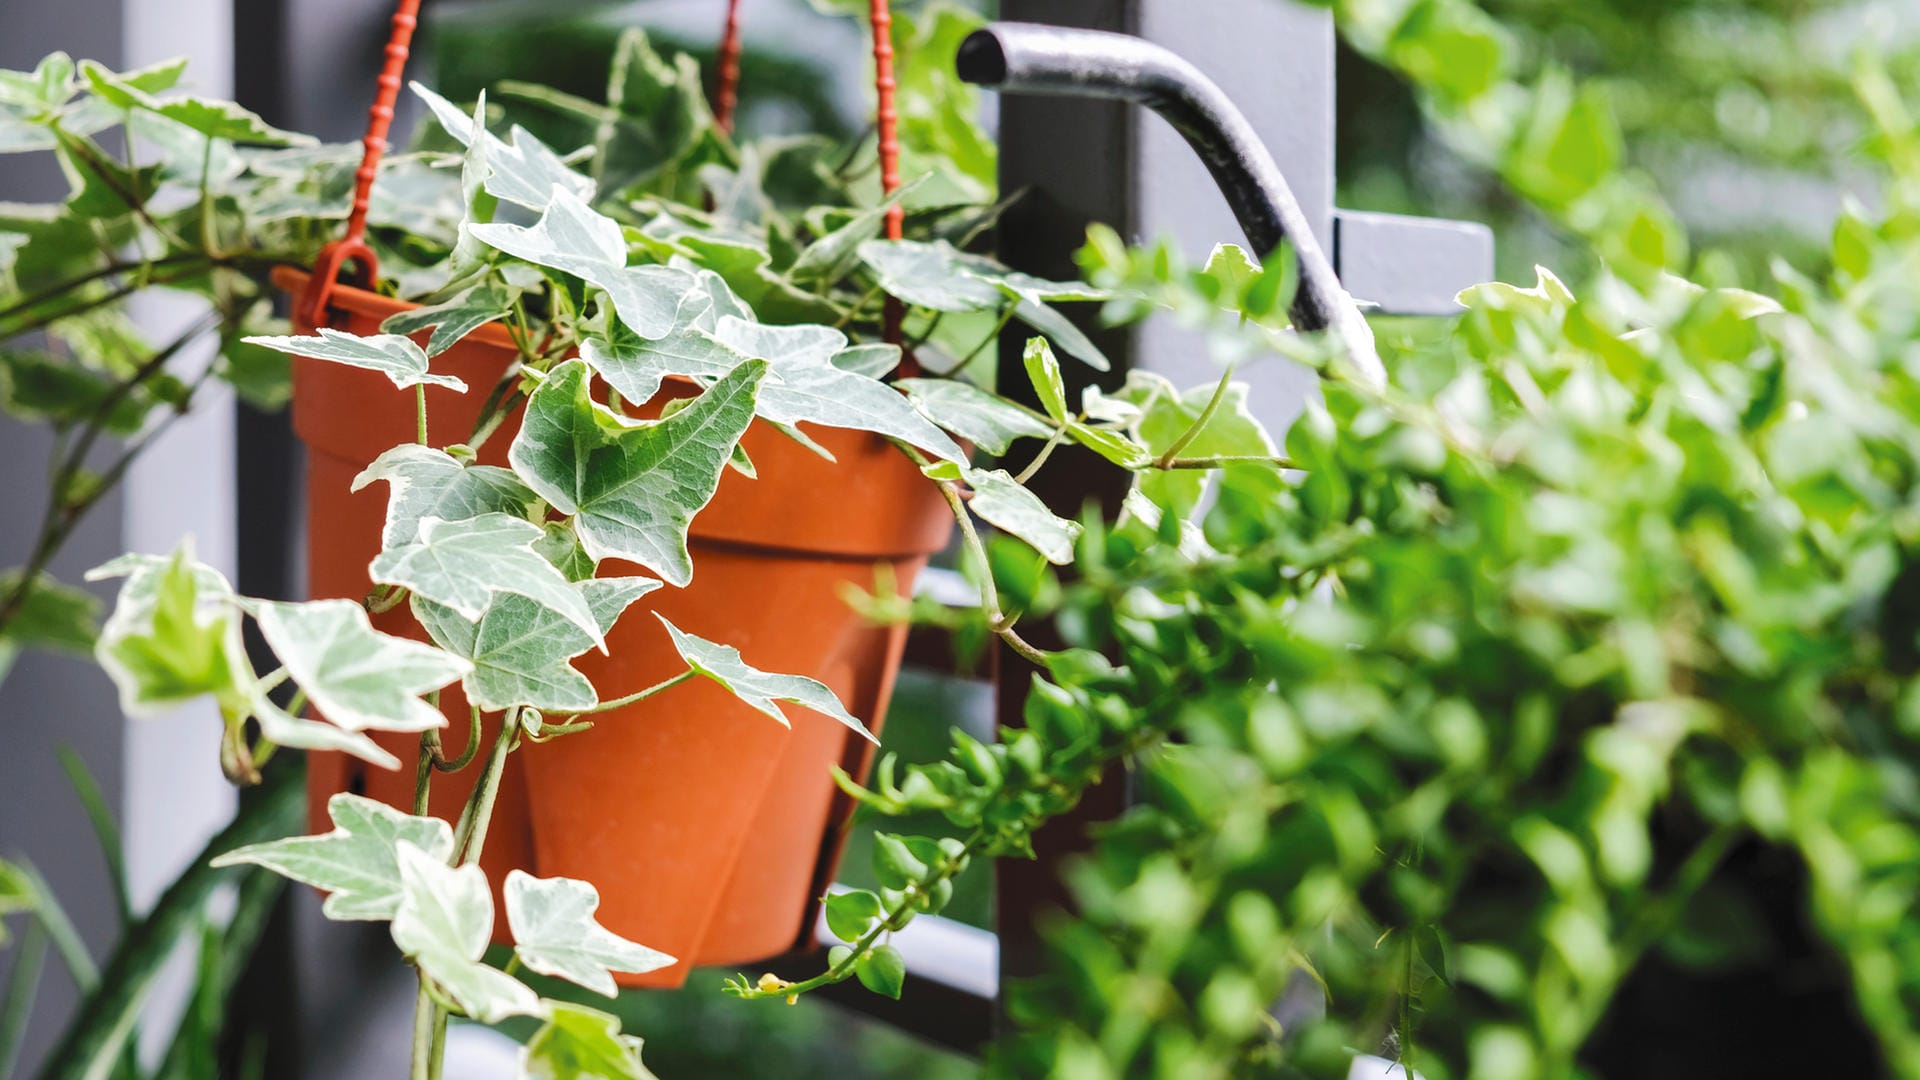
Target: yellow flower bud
[[793, 999], [771, 982]]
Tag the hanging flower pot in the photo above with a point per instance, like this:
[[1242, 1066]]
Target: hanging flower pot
[[690, 810]]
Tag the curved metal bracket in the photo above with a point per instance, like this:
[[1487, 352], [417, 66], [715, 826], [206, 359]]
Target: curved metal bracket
[[1027, 58]]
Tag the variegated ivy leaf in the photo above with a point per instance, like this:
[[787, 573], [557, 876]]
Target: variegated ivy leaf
[[986, 420], [525, 171], [360, 678], [1001, 501], [174, 635], [807, 386], [457, 316], [358, 862], [555, 933], [576, 239], [282, 728], [635, 366], [760, 689], [940, 276], [520, 650], [392, 355], [578, 1043], [834, 255], [443, 924], [632, 489], [465, 564], [424, 482], [875, 360]]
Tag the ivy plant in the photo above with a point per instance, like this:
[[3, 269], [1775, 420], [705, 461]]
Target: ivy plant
[[658, 249]]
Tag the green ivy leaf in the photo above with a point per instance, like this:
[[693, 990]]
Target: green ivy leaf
[[934, 275], [358, 862], [757, 688], [392, 355], [986, 420], [427, 483], [457, 316], [851, 914], [214, 119], [52, 615], [833, 256], [465, 564], [555, 933], [521, 650], [632, 489], [882, 970], [1001, 501], [173, 635], [578, 1043], [40, 387], [525, 172], [939, 276], [443, 924], [359, 678], [576, 239]]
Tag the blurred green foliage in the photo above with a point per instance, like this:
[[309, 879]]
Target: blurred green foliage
[[1742, 112]]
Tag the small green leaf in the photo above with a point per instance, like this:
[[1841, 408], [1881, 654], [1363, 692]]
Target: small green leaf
[[392, 355], [1043, 370], [357, 863], [757, 688], [986, 420], [850, 914], [576, 239], [427, 483], [520, 650], [465, 564], [443, 924], [359, 678], [632, 489], [578, 1043], [555, 933], [882, 970], [895, 865]]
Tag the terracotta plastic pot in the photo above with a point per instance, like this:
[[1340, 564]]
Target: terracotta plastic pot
[[709, 829]]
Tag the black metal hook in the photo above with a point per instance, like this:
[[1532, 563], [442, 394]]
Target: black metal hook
[[1027, 58]]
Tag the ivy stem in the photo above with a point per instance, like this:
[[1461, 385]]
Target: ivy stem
[[998, 621], [1206, 417], [426, 1012], [1059, 436], [453, 765], [420, 410], [473, 837], [641, 695], [1218, 461]]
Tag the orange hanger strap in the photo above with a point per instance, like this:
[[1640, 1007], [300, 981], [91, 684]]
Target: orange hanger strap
[[353, 246]]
